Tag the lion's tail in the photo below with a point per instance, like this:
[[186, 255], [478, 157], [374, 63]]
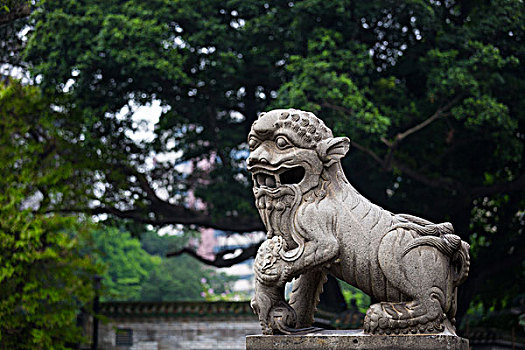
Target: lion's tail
[[450, 245], [461, 264]]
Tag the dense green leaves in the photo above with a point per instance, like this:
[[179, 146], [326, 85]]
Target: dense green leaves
[[354, 297], [174, 279], [44, 275], [139, 270], [184, 278], [327, 80], [128, 265], [113, 51]]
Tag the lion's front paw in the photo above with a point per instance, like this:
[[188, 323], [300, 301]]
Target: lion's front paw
[[269, 266], [278, 273]]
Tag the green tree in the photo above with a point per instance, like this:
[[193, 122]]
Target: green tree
[[175, 279], [180, 277], [45, 278], [139, 269], [156, 244], [429, 93], [128, 265]]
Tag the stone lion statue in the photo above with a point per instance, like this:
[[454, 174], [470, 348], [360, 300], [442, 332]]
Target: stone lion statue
[[317, 223]]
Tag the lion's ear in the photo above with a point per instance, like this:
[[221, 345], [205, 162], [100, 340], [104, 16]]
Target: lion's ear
[[333, 149]]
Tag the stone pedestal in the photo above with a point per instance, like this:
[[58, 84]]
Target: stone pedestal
[[355, 339]]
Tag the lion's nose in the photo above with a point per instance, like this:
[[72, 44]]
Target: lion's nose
[[252, 160], [261, 155]]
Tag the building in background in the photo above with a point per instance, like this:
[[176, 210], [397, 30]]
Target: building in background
[[175, 325]]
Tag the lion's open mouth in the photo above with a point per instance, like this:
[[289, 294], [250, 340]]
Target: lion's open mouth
[[284, 176]]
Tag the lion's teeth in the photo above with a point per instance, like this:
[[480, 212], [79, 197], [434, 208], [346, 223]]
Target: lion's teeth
[[270, 181], [260, 179]]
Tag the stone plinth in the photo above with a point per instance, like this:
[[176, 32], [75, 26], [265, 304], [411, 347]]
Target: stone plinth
[[355, 339]]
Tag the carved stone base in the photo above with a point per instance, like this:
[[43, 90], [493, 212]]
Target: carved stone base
[[355, 339]]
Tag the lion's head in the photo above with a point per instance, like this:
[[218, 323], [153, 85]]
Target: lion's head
[[289, 151], [289, 146]]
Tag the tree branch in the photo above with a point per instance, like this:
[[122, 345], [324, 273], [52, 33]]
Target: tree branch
[[337, 108], [446, 183], [18, 11], [159, 212], [512, 186], [220, 261], [176, 214], [440, 112], [367, 151], [440, 182], [144, 184], [388, 161]]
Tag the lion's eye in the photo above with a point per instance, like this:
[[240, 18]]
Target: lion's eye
[[282, 142], [253, 143]]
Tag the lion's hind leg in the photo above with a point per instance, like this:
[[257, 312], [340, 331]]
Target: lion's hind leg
[[420, 275], [423, 315]]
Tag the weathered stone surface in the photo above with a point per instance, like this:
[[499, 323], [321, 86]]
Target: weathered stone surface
[[317, 223], [345, 340]]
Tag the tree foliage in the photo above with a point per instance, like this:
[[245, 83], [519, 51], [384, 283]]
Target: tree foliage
[[45, 278], [184, 278], [156, 244], [128, 265], [429, 93], [138, 270], [13, 19]]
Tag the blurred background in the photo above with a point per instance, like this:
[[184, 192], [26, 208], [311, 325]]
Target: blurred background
[[126, 211]]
